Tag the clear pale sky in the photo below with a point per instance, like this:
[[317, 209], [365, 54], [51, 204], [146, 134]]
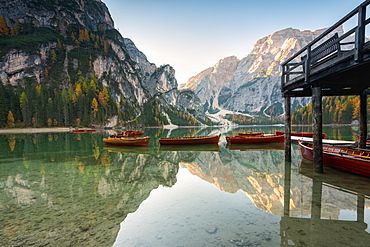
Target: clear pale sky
[[193, 35]]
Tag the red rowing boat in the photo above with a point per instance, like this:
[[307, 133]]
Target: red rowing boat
[[129, 133], [349, 160], [189, 140], [128, 141], [301, 134], [83, 130], [251, 134], [255, 139]]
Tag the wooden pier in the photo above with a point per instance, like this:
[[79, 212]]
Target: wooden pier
[[333, 64]]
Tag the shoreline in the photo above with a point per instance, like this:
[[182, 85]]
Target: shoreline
[[68, 129], [35, 130]]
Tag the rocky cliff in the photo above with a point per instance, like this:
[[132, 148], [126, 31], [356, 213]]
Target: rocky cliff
[[252, 85], [55, 42]]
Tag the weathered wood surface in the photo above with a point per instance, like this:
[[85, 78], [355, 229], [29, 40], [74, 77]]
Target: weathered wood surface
[[317, 128], [287, 140], [340, 71], [328, 47]]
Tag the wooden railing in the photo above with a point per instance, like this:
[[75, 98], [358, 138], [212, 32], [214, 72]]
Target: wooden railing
[[326, 46]]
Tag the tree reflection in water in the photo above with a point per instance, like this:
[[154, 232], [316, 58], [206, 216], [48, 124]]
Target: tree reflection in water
[[69, 189]]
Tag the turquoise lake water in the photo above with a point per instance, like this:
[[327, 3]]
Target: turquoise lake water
[[69, 189]]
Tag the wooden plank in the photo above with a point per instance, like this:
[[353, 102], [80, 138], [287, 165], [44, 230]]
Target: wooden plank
[[329, 46]]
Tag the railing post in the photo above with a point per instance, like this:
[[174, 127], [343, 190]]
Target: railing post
[[360, 34], [307, 65], [283, 80]]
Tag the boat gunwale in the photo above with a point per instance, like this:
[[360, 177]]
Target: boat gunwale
[[300, 133], [188, 138], [340, 153], [251, 133], [255, 137], [127, 141]]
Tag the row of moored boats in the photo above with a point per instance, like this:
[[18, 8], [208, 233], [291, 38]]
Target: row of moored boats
[[351, 160], [135, 138]]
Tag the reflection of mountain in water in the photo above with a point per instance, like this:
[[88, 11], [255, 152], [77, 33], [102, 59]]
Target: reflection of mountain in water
[[67, 189], [260, 175], [77, 199]]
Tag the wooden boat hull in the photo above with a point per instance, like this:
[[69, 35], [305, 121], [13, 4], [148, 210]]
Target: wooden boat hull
[[251, 134], [190, 140], [349, 160], [83, 130], [255, 139], [301, 134], [125, 141]]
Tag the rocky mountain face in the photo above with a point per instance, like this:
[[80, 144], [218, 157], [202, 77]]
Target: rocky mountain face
[[252, 85], [80, 39]]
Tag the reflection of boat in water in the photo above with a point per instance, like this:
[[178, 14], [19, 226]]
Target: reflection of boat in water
[[191, 148], [194, 140], [127, 149], [255, 139], [128, 141], [256, 146], [349, 160], [83, 130], [343, 181], [300, 134]]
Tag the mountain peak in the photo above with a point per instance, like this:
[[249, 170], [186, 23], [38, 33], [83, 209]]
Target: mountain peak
[[251, 85], [91, 14]]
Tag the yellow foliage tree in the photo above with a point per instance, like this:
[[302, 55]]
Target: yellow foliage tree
[[50, 122], [103, 97], [356, 107], [10, 122], [94, 106], [78, 89]]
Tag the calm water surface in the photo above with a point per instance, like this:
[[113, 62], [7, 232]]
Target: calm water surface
[[69, 189]]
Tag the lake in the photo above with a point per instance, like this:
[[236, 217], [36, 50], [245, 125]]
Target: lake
[[69, 189]]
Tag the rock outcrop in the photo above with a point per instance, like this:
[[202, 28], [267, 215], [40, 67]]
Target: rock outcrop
[[78, 37]]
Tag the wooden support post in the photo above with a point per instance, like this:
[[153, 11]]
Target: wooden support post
[[287, 140], [317, 128], [287, 182], [316, 206], [360, 209], [316, 196], [363, 120]]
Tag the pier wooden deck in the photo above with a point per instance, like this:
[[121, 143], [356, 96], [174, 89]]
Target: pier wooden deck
[[335, 63], [338, 62]]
